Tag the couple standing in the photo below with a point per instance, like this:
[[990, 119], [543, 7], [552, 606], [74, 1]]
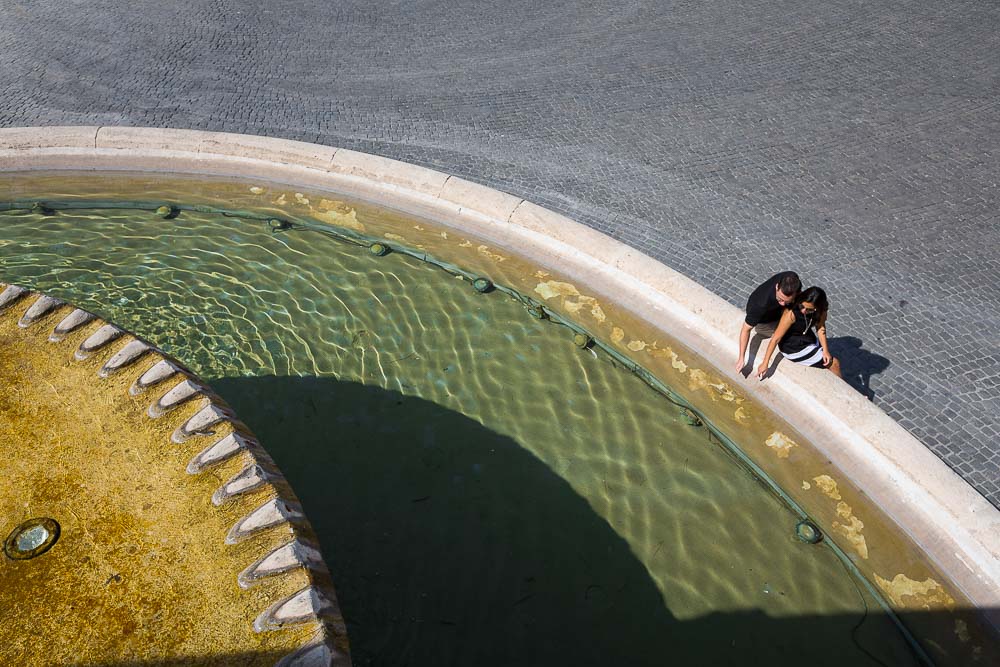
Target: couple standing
[[794, 319]]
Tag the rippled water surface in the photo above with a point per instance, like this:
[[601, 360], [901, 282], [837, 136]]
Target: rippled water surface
[[485, 492]]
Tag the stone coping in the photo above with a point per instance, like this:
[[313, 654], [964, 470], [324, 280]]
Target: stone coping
[[954, 525]]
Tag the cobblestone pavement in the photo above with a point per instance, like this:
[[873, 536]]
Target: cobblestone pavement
[[856, 142]]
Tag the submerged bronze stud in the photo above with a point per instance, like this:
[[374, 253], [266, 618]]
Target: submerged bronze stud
[[378, 249], [690, 418], [31, 538], [808, 532], [167, 212], [582, 341], [482, 285], [537, 312]]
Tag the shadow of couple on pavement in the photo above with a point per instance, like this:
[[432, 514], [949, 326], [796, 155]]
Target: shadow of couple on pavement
[[857, 364]]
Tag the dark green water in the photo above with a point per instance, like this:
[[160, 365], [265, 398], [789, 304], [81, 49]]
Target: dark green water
[[485, 492]]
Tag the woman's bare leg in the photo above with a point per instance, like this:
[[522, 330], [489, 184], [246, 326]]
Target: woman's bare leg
[[835, 367]]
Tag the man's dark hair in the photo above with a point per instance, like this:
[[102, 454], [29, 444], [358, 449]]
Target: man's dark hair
[[790, 284]]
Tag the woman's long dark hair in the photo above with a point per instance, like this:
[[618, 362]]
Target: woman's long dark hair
[[817, 297]]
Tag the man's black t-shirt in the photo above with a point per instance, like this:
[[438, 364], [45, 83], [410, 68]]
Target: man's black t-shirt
[[763, 306]]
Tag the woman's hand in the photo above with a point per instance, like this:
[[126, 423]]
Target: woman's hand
[[827, 358]]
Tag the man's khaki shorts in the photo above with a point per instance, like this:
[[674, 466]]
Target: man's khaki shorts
[[766, 329]]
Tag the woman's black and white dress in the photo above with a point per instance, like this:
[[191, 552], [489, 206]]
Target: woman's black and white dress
[[799, 343]]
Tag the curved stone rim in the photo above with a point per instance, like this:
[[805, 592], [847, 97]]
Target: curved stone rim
[[956, 527], [167, 384]]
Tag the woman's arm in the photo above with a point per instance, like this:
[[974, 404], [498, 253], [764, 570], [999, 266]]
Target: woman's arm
[[783, 326], [821, 334]]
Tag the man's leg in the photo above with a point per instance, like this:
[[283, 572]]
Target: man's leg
[[761, 332]]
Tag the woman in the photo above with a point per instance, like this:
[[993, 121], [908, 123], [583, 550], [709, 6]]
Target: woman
[[801, 334]]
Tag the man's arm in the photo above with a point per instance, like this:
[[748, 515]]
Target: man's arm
[[744, 339]]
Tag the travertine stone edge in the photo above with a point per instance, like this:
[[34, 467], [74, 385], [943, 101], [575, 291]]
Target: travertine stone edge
[[955, 526], [168, 385], [31, 139]]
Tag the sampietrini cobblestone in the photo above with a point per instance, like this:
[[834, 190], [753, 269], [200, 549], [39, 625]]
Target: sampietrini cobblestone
[[858, 144]]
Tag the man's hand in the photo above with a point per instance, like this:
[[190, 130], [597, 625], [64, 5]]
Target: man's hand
[[761, 371], [740, 363]]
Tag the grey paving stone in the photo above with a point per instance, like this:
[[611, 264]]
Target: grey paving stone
[[858, 143]]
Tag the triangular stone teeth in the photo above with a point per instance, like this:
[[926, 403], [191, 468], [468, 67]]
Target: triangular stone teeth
[[279, 517], [250, 478], [38, 310], [97, 340], [73, 321], [287, 557], [306, 605], [202, 421], [125, 356], [315, 655], [271, 513], [10, 294], [220, 451], [183, 391], [157, 373]]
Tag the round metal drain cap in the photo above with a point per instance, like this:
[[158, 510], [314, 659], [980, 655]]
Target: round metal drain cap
[[32, 538]]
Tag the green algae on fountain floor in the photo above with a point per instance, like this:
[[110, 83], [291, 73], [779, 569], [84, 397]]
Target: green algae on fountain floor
[[483, 489]]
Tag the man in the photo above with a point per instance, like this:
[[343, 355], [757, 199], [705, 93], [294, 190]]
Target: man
[[764, 308]]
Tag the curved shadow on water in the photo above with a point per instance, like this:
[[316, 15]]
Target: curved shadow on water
[[451, 544]]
